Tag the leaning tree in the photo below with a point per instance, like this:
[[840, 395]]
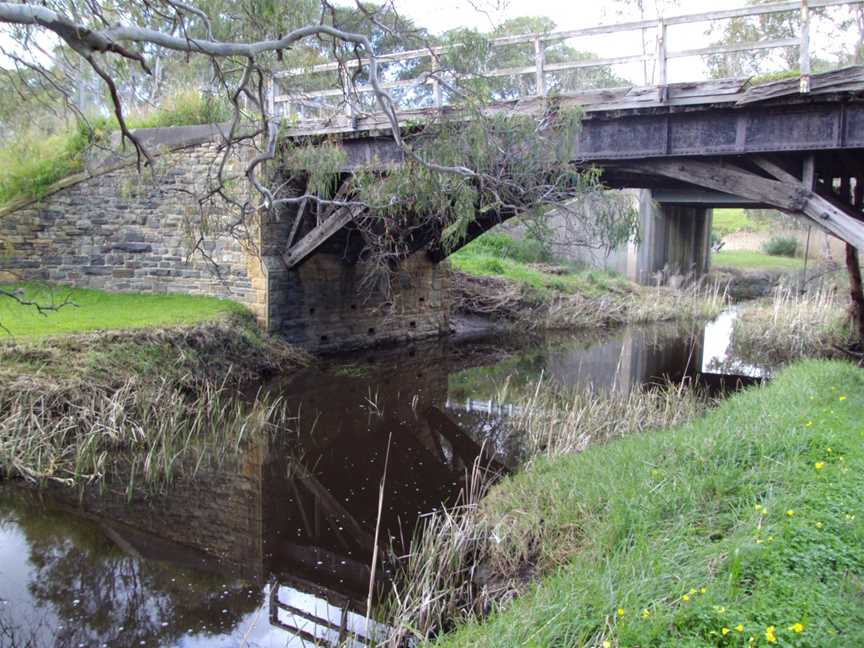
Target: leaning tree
[[459, 165]]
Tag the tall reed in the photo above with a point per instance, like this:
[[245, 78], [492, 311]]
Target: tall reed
[[479, 553], [789, 326], [142, 432]]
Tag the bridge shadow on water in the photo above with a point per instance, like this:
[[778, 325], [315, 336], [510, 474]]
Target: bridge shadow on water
[[275, 544]]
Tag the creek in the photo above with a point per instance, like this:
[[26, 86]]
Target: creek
[[274, 547]]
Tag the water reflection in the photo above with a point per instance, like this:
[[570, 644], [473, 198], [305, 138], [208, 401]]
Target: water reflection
[[274, 546]]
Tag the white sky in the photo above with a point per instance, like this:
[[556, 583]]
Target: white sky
[[441, 15]]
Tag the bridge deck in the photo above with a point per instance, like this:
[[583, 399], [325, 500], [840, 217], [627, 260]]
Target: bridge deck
[[730, 116]]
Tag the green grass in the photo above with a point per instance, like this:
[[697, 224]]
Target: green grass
[[34, 162], [497, 255], [729, 221], [750, 517], [95, 310], [751, 260]]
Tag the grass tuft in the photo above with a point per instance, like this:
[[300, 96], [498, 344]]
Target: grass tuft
[[145, 433], [749, 520], [33, 163]]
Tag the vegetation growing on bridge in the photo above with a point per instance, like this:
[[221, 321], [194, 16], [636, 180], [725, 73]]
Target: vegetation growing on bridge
[[31, 163], [733, 529]]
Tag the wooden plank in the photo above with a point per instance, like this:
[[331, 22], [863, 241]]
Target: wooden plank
[[738, 47], [309, 243], [754, 187], [597, 30], [849, 78]]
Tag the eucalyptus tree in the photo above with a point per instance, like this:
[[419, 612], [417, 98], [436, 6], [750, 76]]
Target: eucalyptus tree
[[459, 166]]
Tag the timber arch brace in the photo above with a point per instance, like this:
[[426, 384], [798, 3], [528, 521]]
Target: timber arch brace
[[783, 190]]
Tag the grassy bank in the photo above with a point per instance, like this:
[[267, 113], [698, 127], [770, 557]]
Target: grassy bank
[[82, 310], [141, 405], [740, 528], [752, 260], [511, 281], [521, 263], [105, 339]]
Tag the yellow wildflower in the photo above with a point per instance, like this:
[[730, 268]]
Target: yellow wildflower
[[702, 590], [685, 598], [692, 591], [770, 538], [739, 627], [607, 644], [828, 450], [646, 613], [850, 517], [770, 637], [719, 609], [808, 424], [819, 465], [724, 631], [842, 398], [818, 525], [620, 612], [790, 513], [797, 628]]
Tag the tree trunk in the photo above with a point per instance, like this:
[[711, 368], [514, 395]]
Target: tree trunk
[[856, 308]]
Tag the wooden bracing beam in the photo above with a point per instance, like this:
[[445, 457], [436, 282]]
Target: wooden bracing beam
[[787, 193], [327, 228]]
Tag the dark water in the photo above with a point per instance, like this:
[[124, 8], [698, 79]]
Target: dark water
[[275, 545]]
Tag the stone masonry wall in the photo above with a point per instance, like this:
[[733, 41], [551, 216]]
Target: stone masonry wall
[[123, 231], [127, 231], [321, 305]]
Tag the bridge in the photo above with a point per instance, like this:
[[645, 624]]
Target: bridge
[[687, 145], [791, 144]]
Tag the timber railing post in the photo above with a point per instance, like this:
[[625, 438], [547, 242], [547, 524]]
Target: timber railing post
[[539, 55], [804, 48], [346, 88], [436, 94], [662, 61]]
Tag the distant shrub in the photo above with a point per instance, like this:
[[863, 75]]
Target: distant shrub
[[786, 246]]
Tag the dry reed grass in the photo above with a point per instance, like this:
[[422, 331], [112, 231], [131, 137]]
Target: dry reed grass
[[147, 434], [660, 304], [466, 559], [502, 300], [789, 326]]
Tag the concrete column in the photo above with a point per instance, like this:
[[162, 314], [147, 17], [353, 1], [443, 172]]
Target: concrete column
[[674, 239]]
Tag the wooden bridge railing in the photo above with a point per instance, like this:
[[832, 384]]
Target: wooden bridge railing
[[287, 104]]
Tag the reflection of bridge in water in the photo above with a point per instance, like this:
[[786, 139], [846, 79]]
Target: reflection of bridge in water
[[299, 510]]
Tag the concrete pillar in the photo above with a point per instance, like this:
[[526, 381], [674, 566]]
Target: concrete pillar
[[674, 239]]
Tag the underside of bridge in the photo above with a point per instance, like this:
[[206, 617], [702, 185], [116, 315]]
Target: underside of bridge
[[697, 147]]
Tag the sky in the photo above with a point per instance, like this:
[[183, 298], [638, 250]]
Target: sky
[[441, 15]]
